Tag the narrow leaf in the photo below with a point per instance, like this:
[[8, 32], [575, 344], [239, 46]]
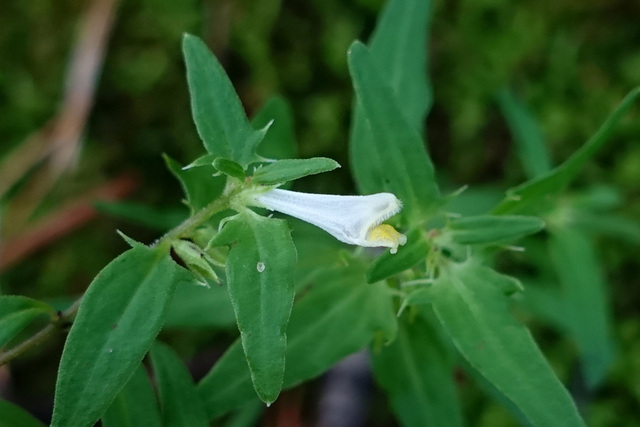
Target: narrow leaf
[[399, 49], [538, 194], [469, 302], [14, 416], [17, 313], [527, 134], [486, 229], [229, 167], [180, 402], [289, 170], [338, 316], [260, 272], [120, 315], [217, 112], [416, 371], [397, 151], [135, 405], [387, 264], [586, 305]]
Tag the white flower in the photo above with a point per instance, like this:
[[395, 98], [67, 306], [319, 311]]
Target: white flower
[[356, 220]]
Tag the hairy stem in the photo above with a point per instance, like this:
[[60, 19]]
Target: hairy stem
[[43, 335]]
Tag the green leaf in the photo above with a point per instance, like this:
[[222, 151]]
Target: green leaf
[[14, 416], [416, 371], [401, 60], [17, 313], [289, 170], [229, 167], [217, 111], [612, 225], [546, 303], [194, 306], [135, 405], [180, 402], [260, 272], [338, 316], [527, 135], [387, 264], [538, 194], [280, 141], [120, 315], [198, 183], [469, 302], [401, 163], [486, 229], [586, 305], [158, 219]]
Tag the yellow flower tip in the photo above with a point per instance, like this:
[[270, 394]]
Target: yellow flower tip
[[386, 235]]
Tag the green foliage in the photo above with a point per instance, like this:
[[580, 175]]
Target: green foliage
[[134, 405], [260, 269], [388, 264], [526, 134], [339, 315], [288, 170], [416, 371], [537, 194], [17, 313], [301, 302], [485, 229], [469, 302], [396, 151], [14, 416], [585, 301], [217, 111], [401, 63], [179, 400], [120, 315]]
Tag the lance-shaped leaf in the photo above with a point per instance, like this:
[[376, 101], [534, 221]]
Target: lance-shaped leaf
[[401, 58], [530, 142], [217, 112], [416, 371], [338, 316], [486, 229], [120, 315], [585, 301], [135, 405], [538, 194], [470, 304], [180, 402], [260, 271], [388, 264], [16, 313], [401, 163], [288, 170], [14, 416], [229, 167]]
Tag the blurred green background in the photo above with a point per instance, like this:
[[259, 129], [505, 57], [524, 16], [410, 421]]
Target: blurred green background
[[569, 62]]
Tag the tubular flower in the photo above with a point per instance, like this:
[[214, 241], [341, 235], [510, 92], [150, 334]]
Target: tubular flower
[[356, 220]]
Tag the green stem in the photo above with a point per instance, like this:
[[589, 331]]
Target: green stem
[[184, 229], [43, 335]]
